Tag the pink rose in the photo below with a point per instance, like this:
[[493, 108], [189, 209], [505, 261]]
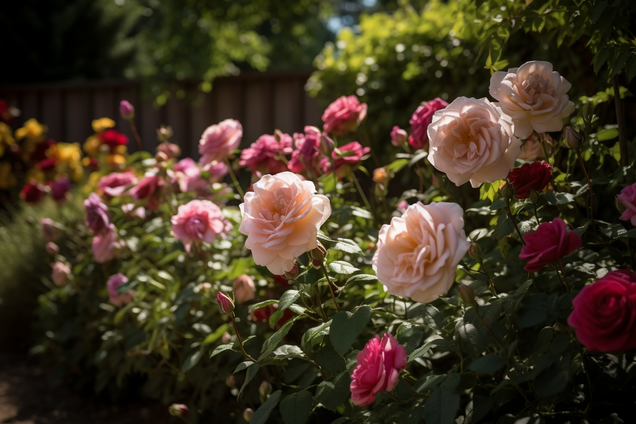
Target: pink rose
[[217, 171], [398, 136], [51, 248], [49, 230], [345, 157], [281, 218], [169, 149], [148, 188], [469, 140], [96, 214], [60, 273], [344, 115], [533, 96], [421, 119], [218, 141], [199, 221], [129, 208], [403, 206], [604, 315], [628, 199], [264, 155], [378, 369], [113, 284], [188, 176], [551, 242], [115, 184], [531, 149], [126, 110], [307, 152], [418, 253], [244, 289], [105, 245]]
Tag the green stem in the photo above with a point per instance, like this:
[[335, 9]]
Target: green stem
[[333, 295], [353, 178], [238, 336], [512, 218], [237, 186], [133, 127], [564, 280]]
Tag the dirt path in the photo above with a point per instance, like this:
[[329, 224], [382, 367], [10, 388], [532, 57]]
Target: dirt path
[[28, 397]]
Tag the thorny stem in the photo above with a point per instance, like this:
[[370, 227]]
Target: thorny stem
[[238, 336], [589, 184], [353, 178], [501, 346], [133, 127], [333, 295], [509, 212], [564, 280], [234, 180]]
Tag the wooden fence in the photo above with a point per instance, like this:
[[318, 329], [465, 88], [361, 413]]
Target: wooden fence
[[261, 102]]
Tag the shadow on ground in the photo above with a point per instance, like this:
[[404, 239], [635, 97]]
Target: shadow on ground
[[27, 396]]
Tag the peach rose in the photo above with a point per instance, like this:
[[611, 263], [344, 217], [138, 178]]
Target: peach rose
[[418, 253], [533, 96], [281, 218], [470, 140], [218, 141]]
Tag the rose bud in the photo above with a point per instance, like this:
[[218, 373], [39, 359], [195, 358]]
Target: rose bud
[[126, 110], [466, 294], [244, 289], [230, 381], [178, 410], [248, 414], [626, 204], [52, 248], [60, 273], [164, 133], [161, 157], [293, 273], [507, 191], [226, 338], [572, 138], [265, 389], [380, 176], [49, 230], [474, 251], [398, 136], [225, 303]]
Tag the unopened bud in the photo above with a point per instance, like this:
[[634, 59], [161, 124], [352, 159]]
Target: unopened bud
[[319, 253], [161, 157], [474, 251], [225, 303], [265, 389], [126, 109], [572, 138], [398, 136], [226, 338], [436, 182], [164, 133], [51, 248], [171, 150], [507, 191], [467, 294], [380, 176], [230, 381], [178, 410], [292, 273], [248, 414]]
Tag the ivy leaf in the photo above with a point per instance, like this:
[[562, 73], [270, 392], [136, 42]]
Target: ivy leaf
[[296, 407], [262, 414], [346, 326], [441, 407]]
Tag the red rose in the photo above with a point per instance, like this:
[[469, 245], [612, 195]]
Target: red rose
[[113, 138], [530, 176], [39, 154], [551, 242], [604, 315], [420, 121], [32, 192], [263, 314], [47, 164]]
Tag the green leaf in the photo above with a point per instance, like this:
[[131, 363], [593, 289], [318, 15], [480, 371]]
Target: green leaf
[[169, 257], [286, 300], [211, 338], [503, 228], [221, 348], [395, 166], [334, 393], [271, 343], [441, 407], [296, 408], [262, 304], [249, 375], [243, 366], [553, 379], [346, 326], [487, 364], [362, 278], [420, 351], [191, 361], [348, 246], [607, 134], [598, 11], [419, 155], [341, 267], [262, 414], [553, 198]]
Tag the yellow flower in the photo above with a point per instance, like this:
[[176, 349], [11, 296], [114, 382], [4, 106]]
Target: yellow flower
[[102, 124], [7, 178], [115, 159], [66, 153], [6, 137], [91, 146], [32, 130]]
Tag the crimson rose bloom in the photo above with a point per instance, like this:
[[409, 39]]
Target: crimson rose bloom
[[47, 164], [378, 370], [604, 314], [551, 242], [32, 192], [421, 119], [530, 176], [344, 115], [148, 188], [113, 138]]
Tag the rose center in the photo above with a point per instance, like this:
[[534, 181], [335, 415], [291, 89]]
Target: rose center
[[195, 227], [533, 87]]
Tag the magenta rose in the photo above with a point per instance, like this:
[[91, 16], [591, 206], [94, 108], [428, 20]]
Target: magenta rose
[[344, 115], [105, 245], [113, 284], [199, 221], [59, 189], [148, 188], [604, 315], [378, 369], [307, 152], [628, 199], [551, 242], [126, 109], [345, 157], [188, 176], [218, 141], [264, 155], [421, 119], [96, 214], [115, 184]]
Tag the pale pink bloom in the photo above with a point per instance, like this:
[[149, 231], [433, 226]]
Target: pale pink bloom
[[96, 214], [628, 199], [113, 284], [470, 140], [217, 170], [218, 141], [378, 369], [105, 245], [115, 184], [169, 149], [398, 136], [49, 230], [244, 289], [344, 115], [421, 119], [148, 188], [188, 176], [403, 206], [60, 273], [533, 96], [531, 149], [418, 252], [263, 156], [51, 248], [281, 218], [199, 221]]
